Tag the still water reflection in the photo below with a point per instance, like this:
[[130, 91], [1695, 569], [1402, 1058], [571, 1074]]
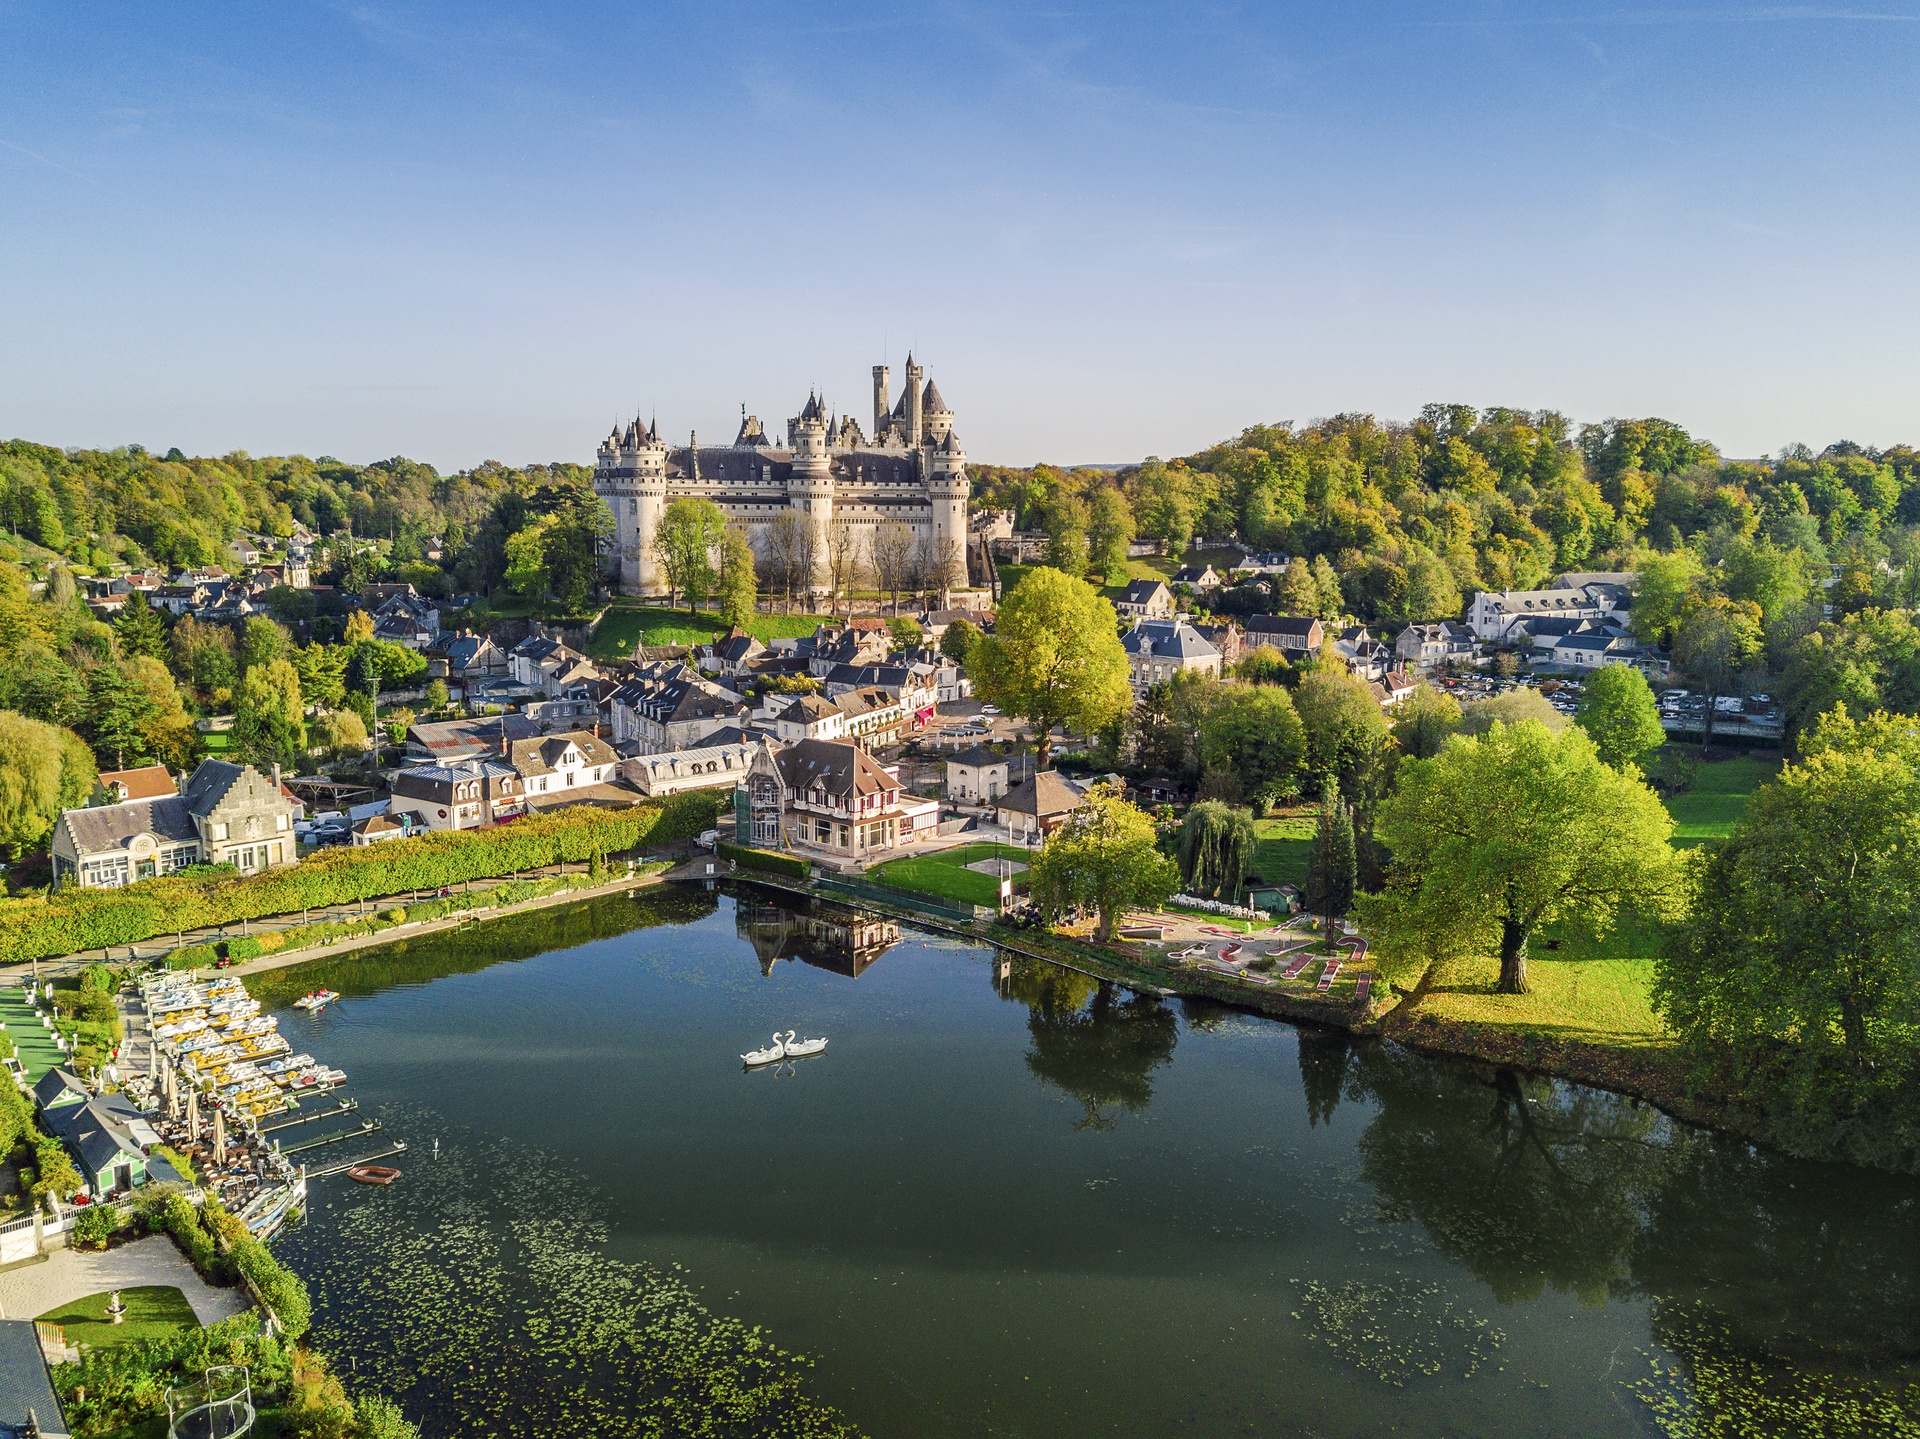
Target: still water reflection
[[1014, 1200]]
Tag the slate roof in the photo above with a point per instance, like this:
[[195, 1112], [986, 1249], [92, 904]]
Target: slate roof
[[455, 739], [57, 1082], [1046, 794], [977, 756], [25, 1384], [930, 401], [838, 767], [1174, 638], [1140, 592], [1298, 625], [109, 826]]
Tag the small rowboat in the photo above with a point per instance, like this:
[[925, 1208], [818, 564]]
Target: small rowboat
[[373, 1174]]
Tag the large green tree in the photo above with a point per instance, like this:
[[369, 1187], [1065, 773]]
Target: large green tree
[[1617, 709], [1424, 721], [1054, 658], [1343, 721], [689, 531], [269, 717], [1105, 858], [118, 712], [1518, 704], [1254, 732], [1717, 639], [43, 769], [1109, 532], [739, 586], [1797, 974], [1501, 833]]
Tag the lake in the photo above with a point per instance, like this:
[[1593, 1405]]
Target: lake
[[1011, 1201]]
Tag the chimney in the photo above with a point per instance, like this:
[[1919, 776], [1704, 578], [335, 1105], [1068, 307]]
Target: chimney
[[276, 774]]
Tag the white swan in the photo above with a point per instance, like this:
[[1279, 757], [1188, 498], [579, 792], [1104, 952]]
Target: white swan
[[771, 1055], [804, 1047]]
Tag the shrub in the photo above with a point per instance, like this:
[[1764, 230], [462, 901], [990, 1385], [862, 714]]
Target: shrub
[[74, 920], [93, 1226], [378, 1417], [246, 947], [279, 1288], [767, 860], [193, 956], [56, 1171]]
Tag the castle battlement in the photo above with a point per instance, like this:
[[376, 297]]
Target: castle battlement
[[913, 472]]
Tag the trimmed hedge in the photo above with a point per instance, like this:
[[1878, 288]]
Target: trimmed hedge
[[766, 859], [80, 919], [193, 956]]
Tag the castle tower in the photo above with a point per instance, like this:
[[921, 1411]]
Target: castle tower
[[947, 487], [914, 377], [810, 482], [882, 382], [630, 474]]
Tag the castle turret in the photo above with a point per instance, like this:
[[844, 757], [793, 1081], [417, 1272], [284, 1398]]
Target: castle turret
[[914, 376], [882, 381], [810, 481], [934, 414]]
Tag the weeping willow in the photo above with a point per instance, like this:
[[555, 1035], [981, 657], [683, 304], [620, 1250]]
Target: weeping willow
[[1216, 850]]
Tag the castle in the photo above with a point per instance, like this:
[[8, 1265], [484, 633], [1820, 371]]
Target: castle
[[912, 473]]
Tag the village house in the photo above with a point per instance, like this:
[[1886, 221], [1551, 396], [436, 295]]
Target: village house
[[1157, 650], [444, 741], [874, 717], [1492, 615], [838, 801], [1426, 648], [1036, 807], [229, 814], [1201, 579], [464, 656], [705, 767], [1228, 638], [575, 768], [108, 1137], [979, 776], [1293, 635], [731, 655], [117, 786], [810, 717], [549, 666], [461, 794], [659, 718], [1145, 600], [1366, 657], [377, 829]]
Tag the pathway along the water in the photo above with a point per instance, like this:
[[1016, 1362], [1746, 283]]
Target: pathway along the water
[[1020, 1204]]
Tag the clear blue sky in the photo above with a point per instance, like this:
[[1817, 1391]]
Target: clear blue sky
[[485, 230]]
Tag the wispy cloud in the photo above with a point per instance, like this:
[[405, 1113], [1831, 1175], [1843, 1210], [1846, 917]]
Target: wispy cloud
[[53, 164]]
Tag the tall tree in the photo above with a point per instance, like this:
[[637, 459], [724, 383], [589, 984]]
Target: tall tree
[[1255, 732], [738, 583], [1109, 531], [1331, 865], [44, 769], [1341, 716], [1067, 535], [139, 629], [1054, 658], [684, 541], [1104, 858], [1618, 711], [118, 712], [1504, 832], [1299, 594], [1797, 976], [845, 562], [268, 715], [168, 730], [1217, 844]]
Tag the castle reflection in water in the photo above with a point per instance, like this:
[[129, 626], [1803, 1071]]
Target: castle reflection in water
[[844, 941]]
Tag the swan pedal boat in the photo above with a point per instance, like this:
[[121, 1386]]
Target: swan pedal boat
[[773, 1054]]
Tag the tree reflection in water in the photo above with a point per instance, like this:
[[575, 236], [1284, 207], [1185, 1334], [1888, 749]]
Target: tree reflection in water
[[1789, 1291], [1086, 1040]]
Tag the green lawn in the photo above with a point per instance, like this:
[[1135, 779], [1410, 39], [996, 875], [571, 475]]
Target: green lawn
[[1710, 805], [1594, 992], [624, 624], [1286, 841], [152, 1312], [945, 874]]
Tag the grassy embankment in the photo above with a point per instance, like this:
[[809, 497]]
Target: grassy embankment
[[626, 623], [1594, 995]]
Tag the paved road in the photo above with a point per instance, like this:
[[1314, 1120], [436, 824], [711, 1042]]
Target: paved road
[[29, 1290]]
